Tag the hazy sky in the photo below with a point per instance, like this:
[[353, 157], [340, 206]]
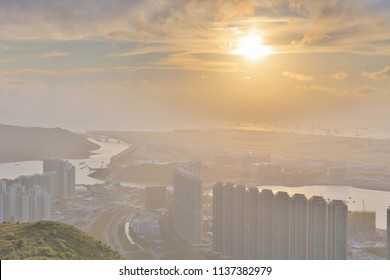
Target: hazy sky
[[163, 64]]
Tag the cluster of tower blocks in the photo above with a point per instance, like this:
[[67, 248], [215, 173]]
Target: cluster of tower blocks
[[249, 223]]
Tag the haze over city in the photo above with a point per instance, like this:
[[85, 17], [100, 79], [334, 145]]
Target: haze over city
[[147, 65], [191, 129]]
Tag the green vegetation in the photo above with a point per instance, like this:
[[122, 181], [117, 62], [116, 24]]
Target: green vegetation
[[50, 240]]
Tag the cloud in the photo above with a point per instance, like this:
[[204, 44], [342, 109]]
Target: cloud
[[148, 49], [299, 77], [165, 26], [68, 72], [192, 26], [311, 38], [55, 54], [350, 93], [366, 91], [58, 19], [342, 25], [189, 62], [339, 75], [327, 90], [347, 24], [295, 4], [384, 73]]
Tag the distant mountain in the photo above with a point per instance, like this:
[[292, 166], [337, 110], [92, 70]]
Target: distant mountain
[[50, 240], [33, 143]]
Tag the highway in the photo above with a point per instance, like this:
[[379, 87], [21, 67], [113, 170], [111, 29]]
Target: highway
[[111, 225]]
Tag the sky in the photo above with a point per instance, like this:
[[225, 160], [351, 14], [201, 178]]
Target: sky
[[156, 65]]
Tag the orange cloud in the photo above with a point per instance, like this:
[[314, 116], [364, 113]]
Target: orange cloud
[[384, 73], [339, 75], [311, 38], [299, 77]]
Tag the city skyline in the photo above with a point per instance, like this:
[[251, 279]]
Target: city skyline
[[249, 219], [135, 109], [30, 197], [248, 224], [137, 65]]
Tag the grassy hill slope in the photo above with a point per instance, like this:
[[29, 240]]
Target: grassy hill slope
[[50, 240]]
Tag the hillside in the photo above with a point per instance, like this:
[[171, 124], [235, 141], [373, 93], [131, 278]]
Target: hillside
[[50, 240], [33, 143]]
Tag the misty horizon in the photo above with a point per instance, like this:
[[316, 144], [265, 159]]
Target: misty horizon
[[153, 102], [138, 65]]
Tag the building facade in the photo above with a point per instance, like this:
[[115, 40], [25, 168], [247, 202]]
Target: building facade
[[299, 227], [187, 202], [317, 230], [388, 233], [22, 204], [30, 199], [65, 175], [337, 230], [248, 224]]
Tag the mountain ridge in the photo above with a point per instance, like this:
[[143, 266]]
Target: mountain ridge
[[35, 143]]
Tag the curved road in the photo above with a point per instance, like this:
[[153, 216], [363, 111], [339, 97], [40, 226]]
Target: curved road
[[114, 234]]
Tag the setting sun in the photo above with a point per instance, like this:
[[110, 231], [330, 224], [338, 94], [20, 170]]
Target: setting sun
[[251, 47]]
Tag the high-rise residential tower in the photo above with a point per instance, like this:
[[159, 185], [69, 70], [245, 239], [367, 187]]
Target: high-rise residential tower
[[388, 233], [337, 230], [298, 234], [187, 202], [217, 218], [264, 224], [248, 224], [227, 219], [317, 230], [281, 221], [239, 222], [66, 179], [47, 181]]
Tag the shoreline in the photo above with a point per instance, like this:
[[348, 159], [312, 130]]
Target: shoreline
[[86, 155], [97, 175]]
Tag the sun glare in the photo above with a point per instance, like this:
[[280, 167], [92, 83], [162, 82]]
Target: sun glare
[[251, 47]]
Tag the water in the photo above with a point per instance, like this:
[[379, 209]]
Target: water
[[356, 199], [377, 201], [12, 170], [100, 158]]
